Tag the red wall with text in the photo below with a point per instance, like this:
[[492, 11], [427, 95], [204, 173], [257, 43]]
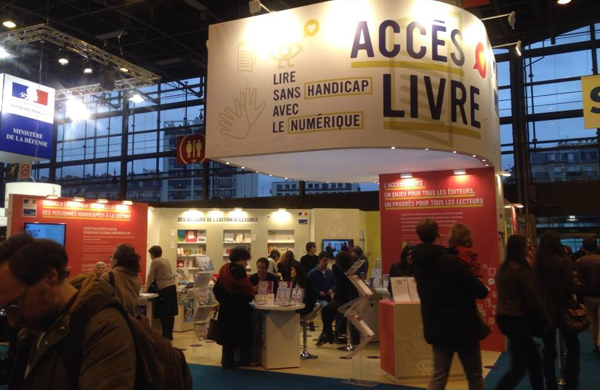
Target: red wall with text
[[446, 198], [93, 230]]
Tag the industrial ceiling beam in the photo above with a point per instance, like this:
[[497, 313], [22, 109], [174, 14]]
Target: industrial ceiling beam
[[137, 76]]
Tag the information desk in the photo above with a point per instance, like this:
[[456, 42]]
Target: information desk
[[404, 352], [281, 336]]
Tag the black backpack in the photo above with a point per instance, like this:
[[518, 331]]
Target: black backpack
[[159, 366]]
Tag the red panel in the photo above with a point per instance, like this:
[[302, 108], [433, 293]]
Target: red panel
[[93, 230], [474, 3], [386, 336], [448, 199]]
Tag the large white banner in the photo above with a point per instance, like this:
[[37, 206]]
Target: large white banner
[[353, 74]]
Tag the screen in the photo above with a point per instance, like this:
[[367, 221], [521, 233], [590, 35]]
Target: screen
[[332, 246], [52, 231]]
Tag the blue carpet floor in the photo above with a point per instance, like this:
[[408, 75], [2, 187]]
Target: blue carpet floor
[[217, 378]]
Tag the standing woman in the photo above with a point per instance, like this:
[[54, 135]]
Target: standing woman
[[234, 292], [519, 316], [123, 276], [161, 277], [554, 284]]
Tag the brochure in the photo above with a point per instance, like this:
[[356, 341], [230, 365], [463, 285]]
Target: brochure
[[297, 296], [204, 263], [284, 293], [400, 290], [265, 287], [412, 290]]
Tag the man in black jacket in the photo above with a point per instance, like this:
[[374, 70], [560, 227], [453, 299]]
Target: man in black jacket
[[448, 288]]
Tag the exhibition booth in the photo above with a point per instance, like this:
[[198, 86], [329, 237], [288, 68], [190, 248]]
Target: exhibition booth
[[403, 94]]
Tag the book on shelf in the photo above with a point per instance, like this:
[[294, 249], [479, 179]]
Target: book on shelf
[[239, 237], [228, 237], [181, 236], [190, 236], [201, 236]]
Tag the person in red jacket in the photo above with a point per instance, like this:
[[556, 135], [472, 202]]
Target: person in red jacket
[[461, 241]]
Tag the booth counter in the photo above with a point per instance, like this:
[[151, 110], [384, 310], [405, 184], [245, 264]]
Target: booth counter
[[404, 352], [281, 336]]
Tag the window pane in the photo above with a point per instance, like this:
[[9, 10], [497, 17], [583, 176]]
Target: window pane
[[559, 66]]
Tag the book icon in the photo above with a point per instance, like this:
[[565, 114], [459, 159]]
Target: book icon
[[246, 57]]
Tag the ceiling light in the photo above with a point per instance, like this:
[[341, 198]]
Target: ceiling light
[[563, 2], [78, 199], [518, 205], [474, 155], [63, 59], [572, 217], [507, 206], [227, 163], [127, 202], [124, 69], [504, 173], [87, 68], [136, 97], [51, 197], [393, 147], [270, 175], [406, 175], [454, 151], [286, 178], [460, 171], [4, 53], [484, 160], [426, 148], [237, 209], [9, 24], [487, 165], [512, 18], [102, 201], [519, 48]]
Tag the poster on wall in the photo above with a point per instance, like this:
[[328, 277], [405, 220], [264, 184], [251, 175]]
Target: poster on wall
[[448, 199], [26, 123], [93, 229]]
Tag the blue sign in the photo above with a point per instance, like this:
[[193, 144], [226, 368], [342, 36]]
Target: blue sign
[[25, 136]]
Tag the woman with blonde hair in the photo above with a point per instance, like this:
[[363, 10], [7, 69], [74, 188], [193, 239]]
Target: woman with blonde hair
[[461, 240]]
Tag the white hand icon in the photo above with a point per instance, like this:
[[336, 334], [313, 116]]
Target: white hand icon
[[238, 123]]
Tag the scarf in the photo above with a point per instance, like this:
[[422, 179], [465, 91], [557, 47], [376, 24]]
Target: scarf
[[240, 286]]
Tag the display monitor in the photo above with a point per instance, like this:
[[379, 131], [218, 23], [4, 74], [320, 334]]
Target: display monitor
[[333, 246], [51, 231]]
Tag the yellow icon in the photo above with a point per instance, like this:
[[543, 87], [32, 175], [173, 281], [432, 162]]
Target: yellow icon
[[311, 28], [285, 53], [246, 57]]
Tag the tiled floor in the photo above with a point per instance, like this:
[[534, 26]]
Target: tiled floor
[[328, 364]]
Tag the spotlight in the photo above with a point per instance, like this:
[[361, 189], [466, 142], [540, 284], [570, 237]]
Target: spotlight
[[124, 69], [563, 2], [102, 201], [63, 58], [127, 202], [136, 97], [76, 110], [504, 173], [460, 172], [87, 68], [518, 205], [78, 199], [406, 175], [9, 24]]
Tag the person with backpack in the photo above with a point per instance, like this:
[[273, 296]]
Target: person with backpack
[[36, 295], [123, 276]]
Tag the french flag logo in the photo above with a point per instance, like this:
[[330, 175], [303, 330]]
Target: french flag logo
[[31, 94]]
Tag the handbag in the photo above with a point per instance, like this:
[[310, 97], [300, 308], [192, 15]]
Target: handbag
[[213, 327], [576, 318], [153, 288]]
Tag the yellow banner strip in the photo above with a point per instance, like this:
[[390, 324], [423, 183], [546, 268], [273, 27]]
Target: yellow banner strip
[[408, 65], [405, 188], [88, 218], [434, 207], [434, 197], [85, 209]]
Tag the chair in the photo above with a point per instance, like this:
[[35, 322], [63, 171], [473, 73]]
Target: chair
[[304, 355]]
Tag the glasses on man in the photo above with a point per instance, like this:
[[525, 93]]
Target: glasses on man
[[11, 308]]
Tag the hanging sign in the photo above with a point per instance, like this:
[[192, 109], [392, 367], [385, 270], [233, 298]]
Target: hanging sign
[[190, 149], [353, 74], [27, 120], [590, 89]]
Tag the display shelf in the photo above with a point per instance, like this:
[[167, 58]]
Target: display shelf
[[191, 243], [191, 236], [280, 240]]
